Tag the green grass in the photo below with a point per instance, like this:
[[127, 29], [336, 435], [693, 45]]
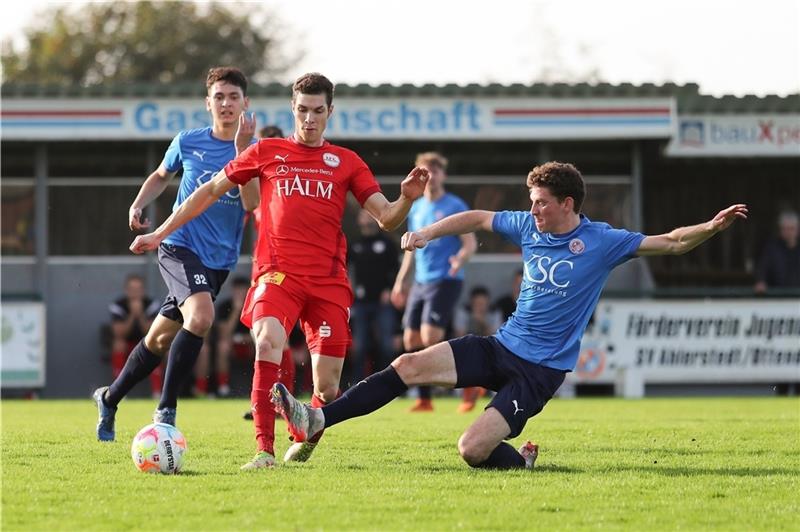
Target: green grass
[[604, 463]]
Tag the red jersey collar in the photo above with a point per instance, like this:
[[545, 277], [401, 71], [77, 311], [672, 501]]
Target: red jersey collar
[[293, 140]]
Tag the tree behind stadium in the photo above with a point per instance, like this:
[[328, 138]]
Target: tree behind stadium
[[166, 42]]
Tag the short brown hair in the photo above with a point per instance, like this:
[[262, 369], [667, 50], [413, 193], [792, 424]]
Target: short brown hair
[[270, 132], [314, 83], [231, 75], [431, 158], [562, 180]]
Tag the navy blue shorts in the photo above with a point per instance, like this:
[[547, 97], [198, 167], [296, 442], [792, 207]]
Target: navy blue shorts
[[185, 275], [432, 303], [523, 388]]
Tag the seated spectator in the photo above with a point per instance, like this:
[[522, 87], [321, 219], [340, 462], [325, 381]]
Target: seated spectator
[[779, 265], [478, 318], [131, 316], [230, 337]]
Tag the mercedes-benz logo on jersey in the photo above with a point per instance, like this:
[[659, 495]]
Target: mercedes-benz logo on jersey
[[576, 246], [282, 169], [330, 159], [516, 407]]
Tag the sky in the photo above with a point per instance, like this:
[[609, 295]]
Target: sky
[[727, 47]]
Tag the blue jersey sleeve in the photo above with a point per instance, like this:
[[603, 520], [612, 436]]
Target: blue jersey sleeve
[[509, 224], [172, 158], [620, 245]]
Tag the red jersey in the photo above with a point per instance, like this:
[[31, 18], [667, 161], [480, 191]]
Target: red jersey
[[303, 196]]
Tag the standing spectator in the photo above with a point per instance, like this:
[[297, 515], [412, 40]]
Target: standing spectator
[[779, 265], [438, 274], [373, 260], [477, 317], [131, 316], [506, 304]]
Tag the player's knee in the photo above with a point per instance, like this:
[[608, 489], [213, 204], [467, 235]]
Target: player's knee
[[408, 368], [199, 323], [471, 451], [269, 348]]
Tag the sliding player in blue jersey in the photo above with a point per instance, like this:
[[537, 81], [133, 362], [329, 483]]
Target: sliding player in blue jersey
[[566, 259]]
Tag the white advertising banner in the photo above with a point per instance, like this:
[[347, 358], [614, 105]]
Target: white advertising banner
[[693, 341], [353, 118], [22, 362], [736, 136]]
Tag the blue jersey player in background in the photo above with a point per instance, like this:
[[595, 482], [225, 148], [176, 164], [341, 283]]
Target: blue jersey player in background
[[566, 259], [196, 259], [438, 273]]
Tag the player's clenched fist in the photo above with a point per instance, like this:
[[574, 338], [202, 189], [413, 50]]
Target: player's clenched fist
[[412, 241], [142, 243]]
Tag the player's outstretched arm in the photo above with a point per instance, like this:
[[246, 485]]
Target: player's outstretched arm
[[681, 240], [197, 202], [455, 224], [390, 215]]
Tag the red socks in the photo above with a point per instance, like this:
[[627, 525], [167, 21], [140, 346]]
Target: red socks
[[287, 370], [266, 374]]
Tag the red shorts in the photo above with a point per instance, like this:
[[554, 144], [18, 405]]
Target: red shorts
[[322, 305]]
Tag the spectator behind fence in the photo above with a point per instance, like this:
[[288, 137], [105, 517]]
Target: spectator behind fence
[[373, 260], [476, 317], [506, 304], [779, 264], [131, 316]]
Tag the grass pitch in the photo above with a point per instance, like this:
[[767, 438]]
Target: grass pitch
[[604, 463]]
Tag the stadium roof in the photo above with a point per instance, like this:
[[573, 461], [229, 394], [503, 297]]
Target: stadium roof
[[688, 96]]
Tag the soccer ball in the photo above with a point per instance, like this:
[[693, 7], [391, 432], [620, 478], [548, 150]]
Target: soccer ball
[[158, 448]]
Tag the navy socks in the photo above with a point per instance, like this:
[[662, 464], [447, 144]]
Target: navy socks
[[182, 356], [139, 365], [367, 396]]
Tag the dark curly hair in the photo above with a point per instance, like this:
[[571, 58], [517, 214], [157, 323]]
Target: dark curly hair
[[314, 83], [562, 180], [228, 74]]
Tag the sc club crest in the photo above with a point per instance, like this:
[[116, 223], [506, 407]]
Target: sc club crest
[[330, 159], [576, 246]]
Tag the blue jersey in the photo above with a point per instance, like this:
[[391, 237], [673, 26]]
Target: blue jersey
[[562, 279], [432, 261], [216, 235]]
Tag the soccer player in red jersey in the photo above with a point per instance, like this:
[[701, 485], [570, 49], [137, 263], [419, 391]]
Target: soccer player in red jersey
[[302, 270]]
